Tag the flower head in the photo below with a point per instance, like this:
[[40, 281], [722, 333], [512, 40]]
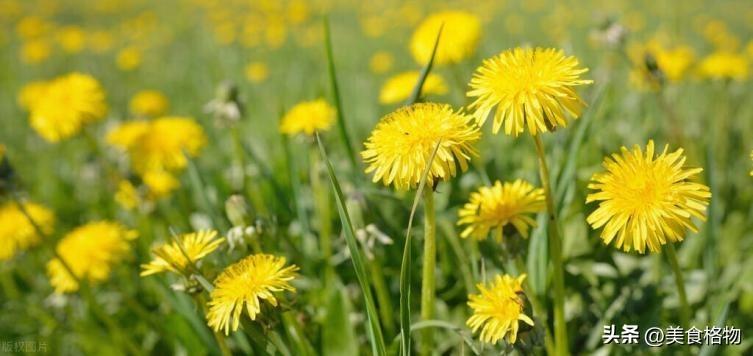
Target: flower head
[[256, 72], [498, 309], [646, 200], [460, 37], [399, 87], [160, 183], [501, 204], [65, 106], [16, 231], [402, 143], [90, 251], [308, 117], [159, 145], [724, 65], [172, 256], [527, 88], [148, 103], [127, 196], [246, 283]]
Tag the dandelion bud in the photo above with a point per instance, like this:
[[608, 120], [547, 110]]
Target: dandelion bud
[[237, 210]]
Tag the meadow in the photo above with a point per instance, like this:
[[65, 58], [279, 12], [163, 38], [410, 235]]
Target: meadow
[[332, 177]]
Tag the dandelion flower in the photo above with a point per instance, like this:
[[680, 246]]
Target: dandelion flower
[[31, 93], [128, 58], [72, 39], [675, 62], [403, 141], [35, 51], [498, 309], [16, 231], [646, 200], [724, 65], [127, 196], [527, 88], [308, 117], [160, 183], [172, 256], [399, 87], [90, 251], [159, 145], [381, 62], [501, 204], [148, 103], [460, 37], [257, 72], [248, 282], [67, 104]]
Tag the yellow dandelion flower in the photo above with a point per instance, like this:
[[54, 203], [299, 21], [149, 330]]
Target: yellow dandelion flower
[[90, 251], [160, 144], [675, 62], [460, 37], [399, 87], [148, 103], [246, 283], [72, 39], [35, 51], [501, 204], [172, 256], [498, 309], [160, 183], [257, 72], [403, 141], [16, 231], [68, 104], [128, 58], [127, 196], [30, 93], [381, 62], [308, 117], [646, 200], [724, 65], [527, 88], [100, 41]]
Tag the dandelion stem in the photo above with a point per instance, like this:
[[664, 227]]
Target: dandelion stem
[[555, 250], [430, 260], [321, 201], [680, 282]]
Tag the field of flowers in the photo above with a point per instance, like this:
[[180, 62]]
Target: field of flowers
[[332, 177]]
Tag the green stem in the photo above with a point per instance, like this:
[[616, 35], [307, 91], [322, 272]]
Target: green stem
[[680, 282], [383, 296], [555, 250], [430, 260], [321, 199]]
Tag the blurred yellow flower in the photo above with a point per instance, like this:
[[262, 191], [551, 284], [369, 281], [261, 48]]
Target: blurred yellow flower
[[400, 146], [35, 51], [461, 33], [160, 183], [148, 103], [400, 87], [72, 39], [646, 200], [527, 88], [675, 62], [127, 196], [244, 285], [100, 41], [128, 58], [172, 256], [68, 104], [159, 145], [16, 231], [724, 65], [498, 309], [499, 205], [90, 251], [381, 62], [31, 93], [32, 27], [256, 72], [308, 117]]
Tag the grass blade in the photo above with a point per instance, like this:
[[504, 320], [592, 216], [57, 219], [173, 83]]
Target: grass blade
[[336, 95], [375, 329], [425, 72], [721, 319]]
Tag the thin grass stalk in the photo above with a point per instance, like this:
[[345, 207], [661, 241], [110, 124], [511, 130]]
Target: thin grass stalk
[[321, 201], [555, 251], [336, 96], [680, 284]]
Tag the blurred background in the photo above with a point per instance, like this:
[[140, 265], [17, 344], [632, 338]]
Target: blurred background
[[675, 72]]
